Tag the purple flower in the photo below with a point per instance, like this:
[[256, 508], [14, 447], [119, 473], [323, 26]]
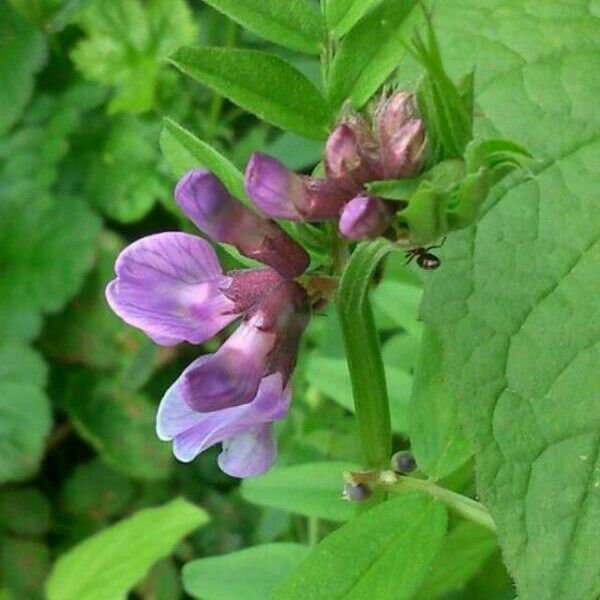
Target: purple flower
[[364, 217], [172, 287]]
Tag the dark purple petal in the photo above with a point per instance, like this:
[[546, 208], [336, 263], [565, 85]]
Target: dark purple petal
[[168, 285], [250, 453], [232, 375], [275, 190], [281, 193], [364, 217], [193, 432], [209, 205]]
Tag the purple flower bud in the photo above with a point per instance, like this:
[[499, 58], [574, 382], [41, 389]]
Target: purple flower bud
[[364, 217], [205, 200], [280, 193], [403, 462], [351, 155], [401, 136]]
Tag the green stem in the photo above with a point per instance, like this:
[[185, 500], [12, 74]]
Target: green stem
[[363, 353], [466, 507]]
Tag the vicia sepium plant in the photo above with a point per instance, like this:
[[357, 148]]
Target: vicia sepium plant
[[405, 170]]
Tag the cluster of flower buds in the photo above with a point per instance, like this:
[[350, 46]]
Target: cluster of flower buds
[[172, 287], [357, 152]]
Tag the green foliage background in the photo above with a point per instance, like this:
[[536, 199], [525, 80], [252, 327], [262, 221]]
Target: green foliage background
[[501, 373]]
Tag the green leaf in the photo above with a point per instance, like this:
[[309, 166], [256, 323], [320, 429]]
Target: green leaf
[[25, 415], [294, 24], [119, 425], [384, 554], [24, 567], [25, 511], [46, 248], [22, 53], [397, 303], [110, 563], [96, 492], [184, 152], [448, 115], [332, 377], [437, 440], [126, 176], [261, 83], [249, 574], [311, 489], [342, 15], [464, 551], [515, 301], [370, 52], [126, 42]]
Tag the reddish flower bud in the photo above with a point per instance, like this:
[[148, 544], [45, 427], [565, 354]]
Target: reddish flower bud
[[401, 136], [351, 155], [364, 217]]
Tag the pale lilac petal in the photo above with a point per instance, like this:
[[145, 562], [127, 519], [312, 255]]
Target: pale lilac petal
[[193, 432], [250, 453], [232, 375], [168, 286]]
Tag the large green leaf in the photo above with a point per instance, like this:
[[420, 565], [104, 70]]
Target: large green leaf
[[371, 51], [437, 440], [515, 300], [22, 52], [382, 555], [125, 44], [294, 24], [261, 83], [25, 416], [311, 489], [108, 564], [250, 574], [464, 551]]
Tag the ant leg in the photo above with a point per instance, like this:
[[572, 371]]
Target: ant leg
[[436, 245], [410, 256]]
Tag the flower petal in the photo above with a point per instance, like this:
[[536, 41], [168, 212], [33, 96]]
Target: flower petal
[[250, 453], [168, 286], [193, 432], [232, 375]]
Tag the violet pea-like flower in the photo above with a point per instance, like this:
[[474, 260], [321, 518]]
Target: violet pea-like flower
[[171, 286]]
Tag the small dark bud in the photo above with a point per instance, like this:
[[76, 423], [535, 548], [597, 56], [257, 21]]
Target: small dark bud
[[403, 462], [356, 492]]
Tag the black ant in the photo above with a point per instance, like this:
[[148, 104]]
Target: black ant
[[425, 259]]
